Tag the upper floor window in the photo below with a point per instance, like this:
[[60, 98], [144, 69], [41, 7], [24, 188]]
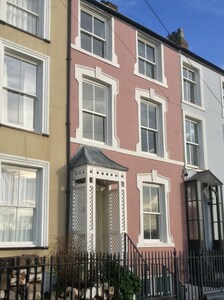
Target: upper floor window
[[150, 59], [24, 101], [152, 117], [194, 142], [222, 86], [191, 86], [29, 15], [95, 111], [96, 33], [149, 127], [93, 34], [23, 202], [96, 106], [146, 59]]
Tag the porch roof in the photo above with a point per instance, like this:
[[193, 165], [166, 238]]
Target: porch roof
[[88, 155], [205, 176]]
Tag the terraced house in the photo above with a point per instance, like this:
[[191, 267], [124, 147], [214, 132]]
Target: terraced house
[[32, 132]]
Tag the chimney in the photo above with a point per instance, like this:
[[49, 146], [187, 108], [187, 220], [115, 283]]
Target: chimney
[[178, 38], [110, 5]]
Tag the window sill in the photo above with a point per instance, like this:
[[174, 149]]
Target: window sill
[[8, 247], [161, 83], [154, 244], [110, 62], [24, 129], [26, 32], [193, 105]]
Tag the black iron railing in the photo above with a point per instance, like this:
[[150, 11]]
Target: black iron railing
[[152, 275]]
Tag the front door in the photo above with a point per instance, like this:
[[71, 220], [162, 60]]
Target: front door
[[107, 216]]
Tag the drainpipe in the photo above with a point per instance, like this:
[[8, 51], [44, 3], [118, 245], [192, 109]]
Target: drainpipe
[[68, 60]]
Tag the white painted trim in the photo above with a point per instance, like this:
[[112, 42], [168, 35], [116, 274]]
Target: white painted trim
[[202, 140], [150, 95], [97, 74], [43, 215], [164, 182], [109, 21], [159, 48], [41, 60], [197, 68]]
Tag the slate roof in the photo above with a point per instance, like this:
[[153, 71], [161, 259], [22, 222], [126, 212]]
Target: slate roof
[[206, 177], [87, 155]]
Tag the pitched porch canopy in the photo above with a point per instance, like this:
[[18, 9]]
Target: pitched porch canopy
[[204, 211], [98, 204]]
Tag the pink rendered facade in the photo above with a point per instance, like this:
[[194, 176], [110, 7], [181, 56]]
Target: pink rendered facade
[[153, 210]]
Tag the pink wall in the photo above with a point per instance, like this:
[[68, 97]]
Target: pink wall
[[127, 124]]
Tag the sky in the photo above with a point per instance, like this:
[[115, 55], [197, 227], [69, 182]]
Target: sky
[[201, 20]]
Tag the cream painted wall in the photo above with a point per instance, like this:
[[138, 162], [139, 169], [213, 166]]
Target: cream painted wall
[[50, 148]]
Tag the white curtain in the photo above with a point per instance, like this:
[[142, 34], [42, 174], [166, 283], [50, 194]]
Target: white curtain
[[17, 204], [18, 14]]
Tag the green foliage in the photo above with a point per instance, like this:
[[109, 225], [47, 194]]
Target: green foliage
[[125, 282]]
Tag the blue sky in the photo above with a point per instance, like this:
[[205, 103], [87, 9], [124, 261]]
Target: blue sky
[[201, 20]]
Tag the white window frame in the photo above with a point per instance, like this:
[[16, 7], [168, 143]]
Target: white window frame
[[94, 113], [96, 75], [201, 141], [110, 54], [159, 60], [150, 129], [44, 15], [191, 83], [152, 98], [198, 91], [42, 213], [42, 118], [166, 239]]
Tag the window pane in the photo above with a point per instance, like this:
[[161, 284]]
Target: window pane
[[152, 142], [87, 126], [149, 70], [141, 49], [25, 220], [86, 21], [154, 200], [146, 198], [194, 132], [144, 117], [10, 185], [28, 78], [194, 155], [26, 112], [144, 140], [27, 189], [98, 47], [187, 128], [87, 96], [86, 42], [191, 75], [141, 66], [12, 108], [7, 224], [99, 28], [99, 128], [100, 100], [151, 226], [12, 72], [152, 116], [150, 53]]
